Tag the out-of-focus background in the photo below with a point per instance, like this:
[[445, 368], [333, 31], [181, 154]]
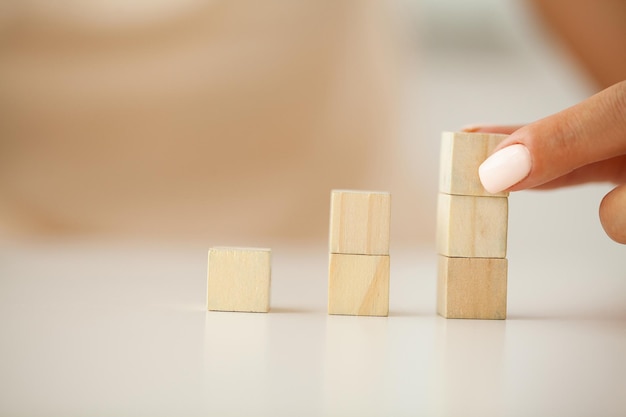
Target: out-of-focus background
[[230, 121]]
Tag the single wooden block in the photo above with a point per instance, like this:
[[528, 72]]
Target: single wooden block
[[472, 227], [358, 285], [239, 279], [359, 222], [472, 288], [461, 155]]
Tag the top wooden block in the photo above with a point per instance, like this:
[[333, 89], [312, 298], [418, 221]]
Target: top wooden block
[[461, 155], [359, 222]]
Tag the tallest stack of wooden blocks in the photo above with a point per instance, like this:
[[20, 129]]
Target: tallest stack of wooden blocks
[[471, 232]]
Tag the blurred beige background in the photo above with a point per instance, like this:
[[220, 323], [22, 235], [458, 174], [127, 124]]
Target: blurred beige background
[[188, 119], [230, 122]]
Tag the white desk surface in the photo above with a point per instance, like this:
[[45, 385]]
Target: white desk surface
[[120, 330]]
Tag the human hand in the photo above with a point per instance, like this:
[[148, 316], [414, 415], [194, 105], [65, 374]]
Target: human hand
[[584, 143]]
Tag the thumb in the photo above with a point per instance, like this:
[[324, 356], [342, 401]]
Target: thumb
[[613, 214], [587, 133]]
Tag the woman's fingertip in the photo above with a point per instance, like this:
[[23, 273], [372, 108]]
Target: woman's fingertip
[[471, 128], [505, 168]]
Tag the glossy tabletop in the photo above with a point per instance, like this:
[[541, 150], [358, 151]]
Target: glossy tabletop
[[121, 329]]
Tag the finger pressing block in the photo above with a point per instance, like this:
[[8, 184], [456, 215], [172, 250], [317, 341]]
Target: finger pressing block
[[238, 279]]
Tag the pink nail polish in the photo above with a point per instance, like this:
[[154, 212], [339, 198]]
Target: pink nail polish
[[505, 168]]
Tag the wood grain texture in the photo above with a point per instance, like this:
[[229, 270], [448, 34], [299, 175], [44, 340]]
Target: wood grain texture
[[461, 155], [359, 222], [472, 288], [358, 285], [239, 279], [470, 226]]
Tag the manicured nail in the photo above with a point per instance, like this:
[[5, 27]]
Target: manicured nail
[[471, 128], [505, 168]]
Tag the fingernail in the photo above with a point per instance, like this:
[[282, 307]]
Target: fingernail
[[471, 128], [505, 168]]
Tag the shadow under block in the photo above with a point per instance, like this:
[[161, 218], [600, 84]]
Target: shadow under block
[[239, 279], [472, 227], [359, 222], [472, 288], [461, 155], [358, 285]]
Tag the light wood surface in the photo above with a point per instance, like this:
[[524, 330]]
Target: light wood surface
[[472, 288], [239, 279], [359, 222], [358, 285], [461, 155], [469, 226]]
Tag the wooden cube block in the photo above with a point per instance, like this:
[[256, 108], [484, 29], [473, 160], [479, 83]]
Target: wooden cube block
[[470, 226], [358, 285], [461, 155], [239, 279], [359, 222], [471, 288]]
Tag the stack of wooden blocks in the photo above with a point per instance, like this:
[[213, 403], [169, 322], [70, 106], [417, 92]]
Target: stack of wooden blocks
[[471, 242], [471, 232], [358, 281]]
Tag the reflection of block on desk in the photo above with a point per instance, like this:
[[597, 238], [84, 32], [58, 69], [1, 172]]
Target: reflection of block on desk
[[461, 155], [239, 279], [472, 227], [471, 288], [358, 285], [359, 222]]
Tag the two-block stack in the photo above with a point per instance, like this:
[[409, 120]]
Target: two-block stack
[[471, 232], [358, 279]]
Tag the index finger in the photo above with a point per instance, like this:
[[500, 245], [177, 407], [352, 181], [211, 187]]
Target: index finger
[[591, 131]]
